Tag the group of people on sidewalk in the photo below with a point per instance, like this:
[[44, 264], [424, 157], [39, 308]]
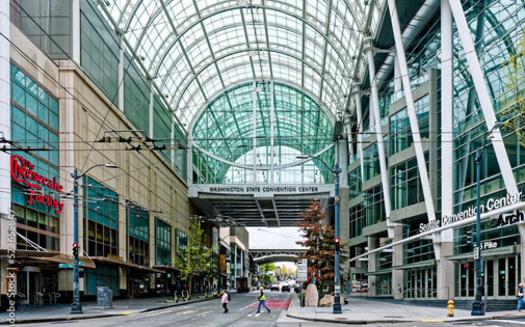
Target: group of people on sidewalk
[[226, 298]]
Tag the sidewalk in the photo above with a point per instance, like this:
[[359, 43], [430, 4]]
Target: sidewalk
[[120, 307], [364, 311]]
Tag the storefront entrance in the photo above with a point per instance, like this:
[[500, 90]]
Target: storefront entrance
[[420, 283], [500, 278], [30, 286]]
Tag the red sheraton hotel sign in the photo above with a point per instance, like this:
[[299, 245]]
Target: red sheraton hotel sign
[[22, 172]]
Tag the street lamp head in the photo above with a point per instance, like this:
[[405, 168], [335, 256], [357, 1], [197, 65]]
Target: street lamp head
[[110, 165], [303, 157], [498, 125]]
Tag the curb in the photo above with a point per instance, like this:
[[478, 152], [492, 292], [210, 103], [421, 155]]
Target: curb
[[366, 322], [80, 317]]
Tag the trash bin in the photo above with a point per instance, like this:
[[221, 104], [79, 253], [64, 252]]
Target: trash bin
[[103, 298]]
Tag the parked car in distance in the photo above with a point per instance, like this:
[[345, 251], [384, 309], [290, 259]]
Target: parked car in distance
[[285, 288], [274, 287]]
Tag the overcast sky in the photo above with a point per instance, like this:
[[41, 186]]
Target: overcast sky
[[275, 237]]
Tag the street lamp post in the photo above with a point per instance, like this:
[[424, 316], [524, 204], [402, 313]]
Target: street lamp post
[[478, 307], [337, 295], [76, 307]]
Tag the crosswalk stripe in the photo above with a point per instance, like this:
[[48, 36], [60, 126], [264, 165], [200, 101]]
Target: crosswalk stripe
[[511, 321]]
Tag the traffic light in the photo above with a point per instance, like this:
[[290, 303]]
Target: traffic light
[[75, 249], [468, 237], [337, 241]]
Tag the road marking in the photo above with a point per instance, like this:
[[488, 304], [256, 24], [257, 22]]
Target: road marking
[[204, 313], [125, 313], [257, 314], [249, 305], [511, 321], [428, 320]]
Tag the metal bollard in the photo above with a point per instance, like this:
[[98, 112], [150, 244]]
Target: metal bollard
[[450, 307]]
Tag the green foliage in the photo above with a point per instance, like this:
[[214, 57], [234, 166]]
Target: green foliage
[[198, 259], [513, 95], [267, 279]]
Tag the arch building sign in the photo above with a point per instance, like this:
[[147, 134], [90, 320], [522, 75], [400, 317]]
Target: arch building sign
[[261, 190], [471, 211]]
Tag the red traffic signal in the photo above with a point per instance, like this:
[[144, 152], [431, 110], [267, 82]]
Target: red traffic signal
[[336, 240], [75, 249]]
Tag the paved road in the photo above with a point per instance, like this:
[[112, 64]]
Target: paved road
[[242, 314]]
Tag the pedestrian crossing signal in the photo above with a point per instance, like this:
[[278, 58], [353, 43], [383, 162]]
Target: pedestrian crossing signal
[[469, 265]]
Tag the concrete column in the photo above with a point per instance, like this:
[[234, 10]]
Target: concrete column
[[75, 26], [397, 260], [447, 161], [371, 267], [445, 273], [151, 93], [121, 74], [5, 124]]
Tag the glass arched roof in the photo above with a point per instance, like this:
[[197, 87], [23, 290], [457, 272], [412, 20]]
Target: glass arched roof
[[194, 50], [283, 116]]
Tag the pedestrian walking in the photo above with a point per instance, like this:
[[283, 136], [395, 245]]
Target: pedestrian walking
[[225, 300], [262, 298], [178, 292], [520, 296]]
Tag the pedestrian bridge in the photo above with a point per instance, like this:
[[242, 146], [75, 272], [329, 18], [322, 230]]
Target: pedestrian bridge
[[262, 256]]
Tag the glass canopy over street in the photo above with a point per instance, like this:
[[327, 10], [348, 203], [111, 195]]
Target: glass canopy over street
[[207, 58]]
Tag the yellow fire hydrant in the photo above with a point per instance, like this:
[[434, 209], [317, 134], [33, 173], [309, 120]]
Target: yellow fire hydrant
[[450, 307]]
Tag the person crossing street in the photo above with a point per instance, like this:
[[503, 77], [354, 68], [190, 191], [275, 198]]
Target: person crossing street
[[262, 298], [224, 300]]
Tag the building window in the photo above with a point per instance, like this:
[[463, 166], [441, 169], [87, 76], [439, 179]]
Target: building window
[[138, 233], [101, 218], [354, 182], [371, 162], [406, 184], [357, 220], [163, 238], [37, 228], [374, 205], [182, 241], [400, 132], [34, 122]]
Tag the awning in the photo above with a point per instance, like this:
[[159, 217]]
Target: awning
[[380, 272], [421, 264], [48, 257], [166, 268], [29, 253], [507, 250], [125, 264]]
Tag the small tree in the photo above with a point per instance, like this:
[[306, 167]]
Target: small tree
[[265, 269], [198, 259], [319, 241]]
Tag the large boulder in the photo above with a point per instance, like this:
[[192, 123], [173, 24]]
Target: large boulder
[[327, 301], [312, 296]]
